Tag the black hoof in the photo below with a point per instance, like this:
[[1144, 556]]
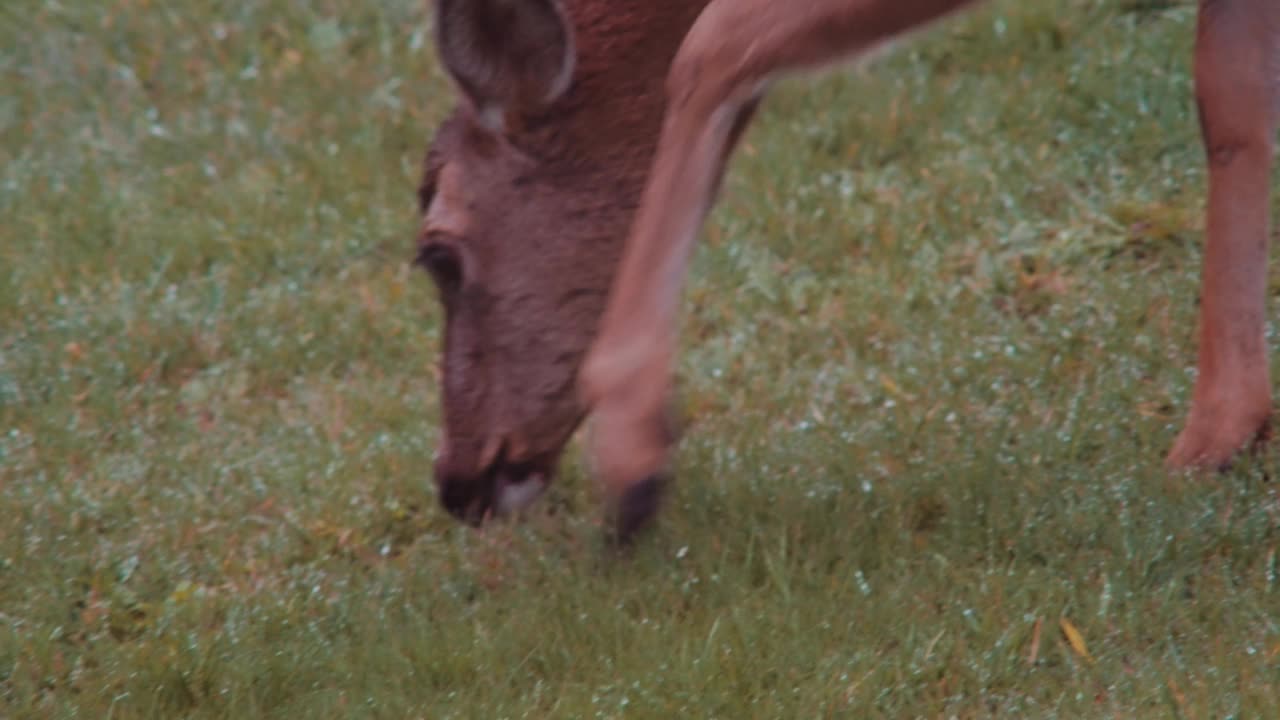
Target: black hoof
[[637, 508]]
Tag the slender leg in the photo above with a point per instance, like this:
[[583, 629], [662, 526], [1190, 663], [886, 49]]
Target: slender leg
[[1237, 75], [725, 61]]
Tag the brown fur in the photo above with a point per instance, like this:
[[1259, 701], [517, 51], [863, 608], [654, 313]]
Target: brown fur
[[546, 209], [539, 208]]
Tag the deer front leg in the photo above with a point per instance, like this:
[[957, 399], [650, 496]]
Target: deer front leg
[[1237, 76], [625, 379], [723, 64]]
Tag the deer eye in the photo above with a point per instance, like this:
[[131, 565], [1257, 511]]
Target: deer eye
[[444, 263]]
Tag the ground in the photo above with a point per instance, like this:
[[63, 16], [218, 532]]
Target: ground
[[936, 343]]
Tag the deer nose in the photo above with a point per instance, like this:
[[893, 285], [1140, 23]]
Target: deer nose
[[498, 483]]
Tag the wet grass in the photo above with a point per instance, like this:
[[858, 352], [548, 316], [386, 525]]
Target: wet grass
[[938, 338]]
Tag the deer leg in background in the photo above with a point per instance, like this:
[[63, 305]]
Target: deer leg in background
[[1237, 76], [724, 62]]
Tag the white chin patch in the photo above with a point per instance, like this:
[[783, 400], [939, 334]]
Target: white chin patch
[[517, 496]]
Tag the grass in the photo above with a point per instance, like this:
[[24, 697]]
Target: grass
[[937, 340]]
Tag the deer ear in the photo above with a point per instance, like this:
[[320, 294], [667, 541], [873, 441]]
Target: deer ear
[[507, 56]]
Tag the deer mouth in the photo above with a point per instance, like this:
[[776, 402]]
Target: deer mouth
[[504, 488], [515, 487]]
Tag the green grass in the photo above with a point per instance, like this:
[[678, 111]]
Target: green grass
[[938, 338]]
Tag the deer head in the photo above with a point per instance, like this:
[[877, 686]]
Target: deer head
[[529, 190]]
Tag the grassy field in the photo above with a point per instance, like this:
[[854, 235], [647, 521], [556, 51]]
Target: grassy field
[[938, 339]]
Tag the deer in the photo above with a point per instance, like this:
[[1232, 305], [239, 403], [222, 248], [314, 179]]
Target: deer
[[563, 195]]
